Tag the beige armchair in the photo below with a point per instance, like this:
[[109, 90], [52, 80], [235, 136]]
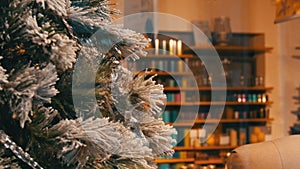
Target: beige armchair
[[282, 153]]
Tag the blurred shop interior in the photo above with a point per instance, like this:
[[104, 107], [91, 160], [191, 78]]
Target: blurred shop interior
[[258, 46]]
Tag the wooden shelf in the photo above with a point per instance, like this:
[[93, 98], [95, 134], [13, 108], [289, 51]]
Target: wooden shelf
[[166, 73], [244, 103], [204, 103], [181, 104], [296, 56], [241, 88], [237, 120], [202, 121], [175, 160], [223, 50], [182, 148], [151, 55], [190, 160], [252, 49], [168, 56], [296, 97], [210, 161], [296, 112]]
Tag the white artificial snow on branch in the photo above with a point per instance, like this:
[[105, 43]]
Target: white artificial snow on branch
[[3, 76], [159, 135], [62, 49], [57, 6], [28, 85]]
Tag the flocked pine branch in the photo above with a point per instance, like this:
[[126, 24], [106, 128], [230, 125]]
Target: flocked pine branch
[[61, 48], [92, 142], [7, 161], [145, 97], [131, 44], [91, 14], [29, 85], [38, 31], [138, 90], [3, 76], [99, 142], [40, 41], [160, 136], [76, 145]]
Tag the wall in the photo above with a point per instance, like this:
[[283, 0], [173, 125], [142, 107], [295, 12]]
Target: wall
[[289, 38], [281, 68], [262, 20], [205, 10]]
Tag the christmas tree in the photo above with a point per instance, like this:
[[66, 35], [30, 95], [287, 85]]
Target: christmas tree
[[48, 119]]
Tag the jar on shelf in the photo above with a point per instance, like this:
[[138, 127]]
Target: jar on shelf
[[191, 166], [222, 31]]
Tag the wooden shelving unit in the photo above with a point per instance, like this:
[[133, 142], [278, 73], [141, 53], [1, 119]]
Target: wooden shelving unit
[[246, 53]]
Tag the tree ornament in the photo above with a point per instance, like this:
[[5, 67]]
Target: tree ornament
[[18, 151]]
